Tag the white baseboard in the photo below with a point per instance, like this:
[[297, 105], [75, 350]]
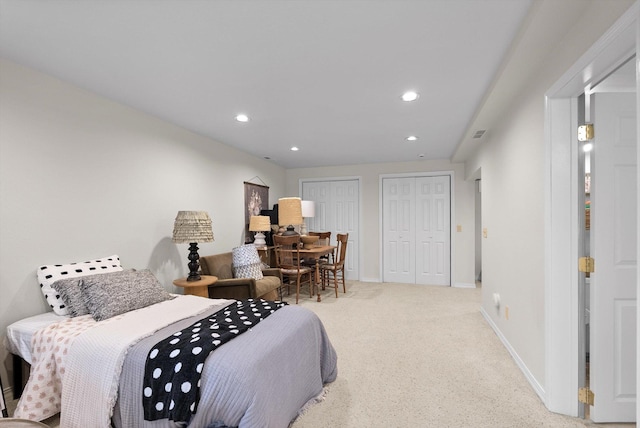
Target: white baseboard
[[523, 367], [464, 285]]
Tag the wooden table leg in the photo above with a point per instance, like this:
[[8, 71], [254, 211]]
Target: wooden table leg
[[318, 277]]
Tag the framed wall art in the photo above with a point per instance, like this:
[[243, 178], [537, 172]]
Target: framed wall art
[[256, 198]]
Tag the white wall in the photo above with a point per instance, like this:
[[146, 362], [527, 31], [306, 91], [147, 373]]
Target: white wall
[[82, 177], [512, 161], [369, 174]]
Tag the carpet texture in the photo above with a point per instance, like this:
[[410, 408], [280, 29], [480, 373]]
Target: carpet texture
[[419, 356]]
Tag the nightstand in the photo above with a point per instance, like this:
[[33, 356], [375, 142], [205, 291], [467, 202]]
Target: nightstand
[[196, 288]]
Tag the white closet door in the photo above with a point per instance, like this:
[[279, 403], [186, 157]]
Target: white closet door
[[320, 193], [416, 227], [337, 211], [433, 224], [399, 230], [346, 221]]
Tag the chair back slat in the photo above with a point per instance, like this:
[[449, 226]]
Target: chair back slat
[[341, 251]]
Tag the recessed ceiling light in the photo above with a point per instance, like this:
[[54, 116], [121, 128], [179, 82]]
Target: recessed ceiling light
[[410, 96], [412, 138], [294, 149], [242, 118]]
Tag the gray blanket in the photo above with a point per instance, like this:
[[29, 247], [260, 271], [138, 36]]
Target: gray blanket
[[260, 379]]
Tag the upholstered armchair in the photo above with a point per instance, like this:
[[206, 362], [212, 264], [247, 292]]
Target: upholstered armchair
[[228, 287]]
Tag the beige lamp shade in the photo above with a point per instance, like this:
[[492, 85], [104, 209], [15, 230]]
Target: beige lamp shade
[[192, 226], [289, 211], [259, 223]]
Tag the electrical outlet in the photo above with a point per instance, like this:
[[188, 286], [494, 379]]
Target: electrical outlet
[[459, 228], [484, 232]]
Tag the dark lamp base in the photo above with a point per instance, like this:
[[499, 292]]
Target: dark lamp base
[[290, 231], [194, 266]]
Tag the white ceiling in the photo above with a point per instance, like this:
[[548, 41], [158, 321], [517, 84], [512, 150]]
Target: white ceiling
[[322, 75]]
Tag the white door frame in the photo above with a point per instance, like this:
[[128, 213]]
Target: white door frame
[[561, 209], [452, 191]]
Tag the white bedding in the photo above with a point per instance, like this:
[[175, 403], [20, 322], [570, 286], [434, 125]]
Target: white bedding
[[19, 334]]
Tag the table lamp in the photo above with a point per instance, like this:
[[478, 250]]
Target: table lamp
[[191, 227], [308, 211], [289, 214], [259, 224]]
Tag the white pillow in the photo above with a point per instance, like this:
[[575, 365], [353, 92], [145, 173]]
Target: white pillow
[[246, 262], [48, 274]]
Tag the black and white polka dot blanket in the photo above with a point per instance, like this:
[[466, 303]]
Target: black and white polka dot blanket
[[174, 365]]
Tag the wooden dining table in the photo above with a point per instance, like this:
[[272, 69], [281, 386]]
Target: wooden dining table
[[315, 253]]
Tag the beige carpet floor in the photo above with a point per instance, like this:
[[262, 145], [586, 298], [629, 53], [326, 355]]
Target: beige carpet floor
[[419, 356]]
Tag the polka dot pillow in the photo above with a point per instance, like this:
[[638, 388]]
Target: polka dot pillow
[[48, 274]]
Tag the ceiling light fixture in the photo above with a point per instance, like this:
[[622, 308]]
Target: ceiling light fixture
[[410, 96], [242, 118], [294, 149], [412, 138]]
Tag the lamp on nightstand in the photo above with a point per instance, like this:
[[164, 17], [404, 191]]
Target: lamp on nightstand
[[259, 224], [191, 227]]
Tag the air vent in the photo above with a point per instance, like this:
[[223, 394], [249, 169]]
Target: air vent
[[479, 133]]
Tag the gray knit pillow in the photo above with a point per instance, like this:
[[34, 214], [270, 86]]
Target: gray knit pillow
[[115, 293], [71, 294]]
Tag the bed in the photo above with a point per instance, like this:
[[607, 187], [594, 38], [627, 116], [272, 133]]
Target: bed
[[97, 372]]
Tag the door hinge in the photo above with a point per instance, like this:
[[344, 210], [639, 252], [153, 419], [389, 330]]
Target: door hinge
[[586, 264], [585, 132], [586, 396]]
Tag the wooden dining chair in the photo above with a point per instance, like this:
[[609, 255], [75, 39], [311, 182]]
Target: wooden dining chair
[[288, 259], [335, 270], [324, 238]]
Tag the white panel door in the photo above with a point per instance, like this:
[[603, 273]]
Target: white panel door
[[337, 211], [433, 230], [320, 193], [346, 221], [399, 230], [614, 209]]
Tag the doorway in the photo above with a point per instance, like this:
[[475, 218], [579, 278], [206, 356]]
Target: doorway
[[562, 308], [478, 229]]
